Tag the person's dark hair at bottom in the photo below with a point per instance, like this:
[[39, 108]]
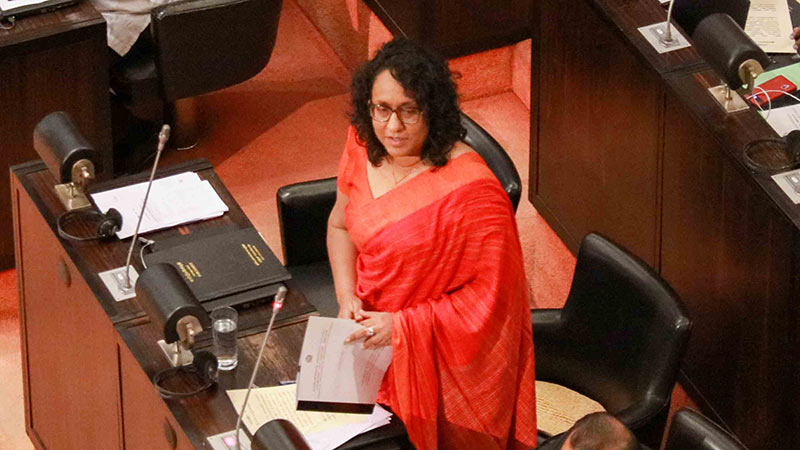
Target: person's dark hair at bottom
[[600, 431]]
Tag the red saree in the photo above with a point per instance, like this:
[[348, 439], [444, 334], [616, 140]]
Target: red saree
[[442, 252]]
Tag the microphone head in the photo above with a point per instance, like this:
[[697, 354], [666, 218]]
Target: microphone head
[[163, 135], [280, 296]]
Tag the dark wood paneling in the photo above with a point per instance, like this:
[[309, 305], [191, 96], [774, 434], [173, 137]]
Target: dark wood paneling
[[456, 28], [147, 422], [52, 62], [728, 253], [596, 157]]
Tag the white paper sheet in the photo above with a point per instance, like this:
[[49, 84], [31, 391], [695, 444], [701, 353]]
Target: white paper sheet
[[334, 437], [174, 200], [7, 5], [770, 26], [322, 430], [332, 371], [783, 120]]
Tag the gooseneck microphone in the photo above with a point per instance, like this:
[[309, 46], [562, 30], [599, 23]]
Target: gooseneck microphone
[[277, 304], [668, 31], [163, 137]]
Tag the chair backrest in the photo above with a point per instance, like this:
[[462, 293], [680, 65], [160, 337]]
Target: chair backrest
[[205, 45], [691, 430], [303, 210], [628, 330], [496, 158]]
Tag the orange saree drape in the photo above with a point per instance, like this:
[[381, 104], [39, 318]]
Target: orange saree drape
[[442, 252]]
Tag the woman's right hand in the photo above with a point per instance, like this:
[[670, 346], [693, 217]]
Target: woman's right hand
[[349, 307]]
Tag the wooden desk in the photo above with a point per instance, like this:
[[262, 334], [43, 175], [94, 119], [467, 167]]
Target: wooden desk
[[456, 27], [88, 360], [51, 62], [627, 142]]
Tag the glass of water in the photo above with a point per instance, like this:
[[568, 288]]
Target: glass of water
[[224, 323]]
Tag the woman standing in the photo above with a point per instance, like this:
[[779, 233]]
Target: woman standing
[[426, 256]]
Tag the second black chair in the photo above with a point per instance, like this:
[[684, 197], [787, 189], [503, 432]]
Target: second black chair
[[195, 47], [618, 340]]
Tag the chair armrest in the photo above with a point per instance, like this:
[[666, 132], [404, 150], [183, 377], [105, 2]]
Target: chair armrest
[[206, 45], [303, 210], [642, 413], [546, 323], [550, 347]]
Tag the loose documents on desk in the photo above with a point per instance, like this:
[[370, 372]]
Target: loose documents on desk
[[174, 200], [338, 376], [770, 26], [783, 120], [322, 430]]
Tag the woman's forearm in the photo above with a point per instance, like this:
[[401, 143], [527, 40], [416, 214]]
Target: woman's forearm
[[342, 255]]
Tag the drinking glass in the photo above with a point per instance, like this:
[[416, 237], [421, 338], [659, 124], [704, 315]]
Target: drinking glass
[[224, 323]]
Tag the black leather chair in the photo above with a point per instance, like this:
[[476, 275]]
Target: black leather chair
[[691, 430], [303, 210], [195, 47], [618, 340]]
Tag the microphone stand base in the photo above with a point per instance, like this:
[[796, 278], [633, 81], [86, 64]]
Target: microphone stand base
[[728, 99], [227, 440], [176, 355], [656, 35], [114, 280]]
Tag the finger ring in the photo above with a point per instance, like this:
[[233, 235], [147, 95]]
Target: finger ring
[[370, 331]]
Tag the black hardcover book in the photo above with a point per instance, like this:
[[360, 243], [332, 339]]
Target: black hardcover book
[[223, 264]]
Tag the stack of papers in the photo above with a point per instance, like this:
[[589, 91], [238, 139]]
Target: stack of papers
[[322, 430], [174, 200]]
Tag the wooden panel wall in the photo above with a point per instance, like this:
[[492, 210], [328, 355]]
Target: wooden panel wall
[[53, 62], [595, 132]]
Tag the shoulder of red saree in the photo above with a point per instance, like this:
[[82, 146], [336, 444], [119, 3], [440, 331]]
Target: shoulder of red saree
[[434, 185], [353, 156]]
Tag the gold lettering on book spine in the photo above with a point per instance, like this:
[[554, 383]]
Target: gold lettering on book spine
[[195, 271], [185, 271], [251, 252], [258, 254]]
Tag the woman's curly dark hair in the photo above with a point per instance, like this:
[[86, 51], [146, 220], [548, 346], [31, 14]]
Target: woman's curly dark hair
[[427, 79]]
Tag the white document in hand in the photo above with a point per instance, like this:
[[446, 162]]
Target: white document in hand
[[333, 373]]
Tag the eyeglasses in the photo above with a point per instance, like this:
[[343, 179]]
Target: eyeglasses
[[407, 115]]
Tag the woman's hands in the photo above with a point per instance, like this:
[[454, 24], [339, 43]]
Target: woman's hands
[[796, 37], [377, 328], [349, 307]]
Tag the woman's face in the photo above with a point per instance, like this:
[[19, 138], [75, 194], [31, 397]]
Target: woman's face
[[399, 139]]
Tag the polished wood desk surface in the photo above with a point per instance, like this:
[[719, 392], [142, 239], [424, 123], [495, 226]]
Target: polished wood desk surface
[[34, 30], [94, 257]]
